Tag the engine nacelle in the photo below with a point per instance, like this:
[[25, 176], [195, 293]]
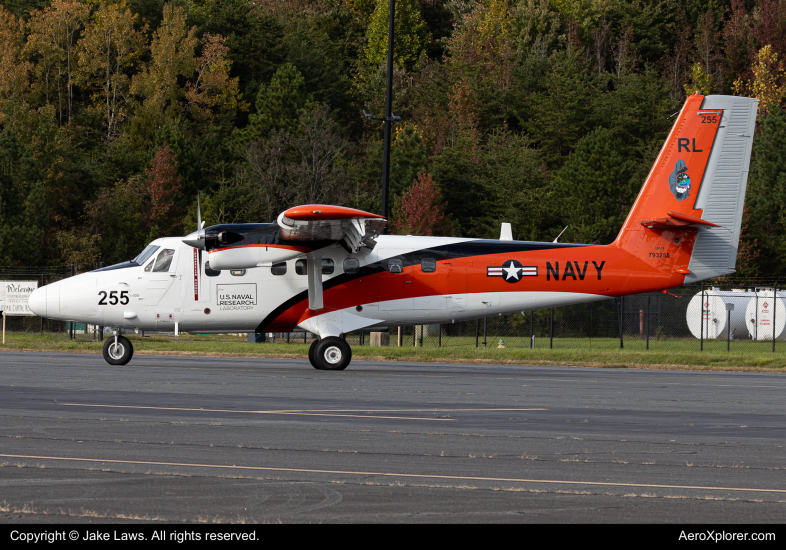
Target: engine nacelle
[[246, 257]]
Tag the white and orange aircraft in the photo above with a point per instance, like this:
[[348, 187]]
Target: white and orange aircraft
[[329, 270]]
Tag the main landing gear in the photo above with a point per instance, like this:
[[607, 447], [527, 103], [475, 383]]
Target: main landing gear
[[118, 350], [330, 353]]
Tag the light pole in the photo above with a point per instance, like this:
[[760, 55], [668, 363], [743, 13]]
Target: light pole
[[389, 118]]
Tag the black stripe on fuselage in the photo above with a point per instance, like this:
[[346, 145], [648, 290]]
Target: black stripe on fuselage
[[450, 251]]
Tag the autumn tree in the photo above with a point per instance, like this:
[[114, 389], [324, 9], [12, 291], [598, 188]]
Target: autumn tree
[[163, 184], [52, 41], [172, 56], [13, 70], [410, 39], [109, 48], [769, 81], [212, 87], [419, 211], [480, 61]]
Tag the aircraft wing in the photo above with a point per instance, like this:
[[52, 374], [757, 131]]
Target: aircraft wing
[[321, 223]]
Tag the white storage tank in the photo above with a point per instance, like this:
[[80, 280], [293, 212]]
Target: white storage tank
[[760, 312], [715, 315]]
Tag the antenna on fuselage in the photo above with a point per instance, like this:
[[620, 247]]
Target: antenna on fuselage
[[560, 234]]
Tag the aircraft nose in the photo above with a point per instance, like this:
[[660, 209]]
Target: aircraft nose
[[37, 301]]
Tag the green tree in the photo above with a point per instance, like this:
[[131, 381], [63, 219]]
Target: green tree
[[562, 111], [280, 106], [593, 190], [117, 215], [23, 216], [766, 197], [323, 51], [411, 36], [515, 178], [407, 159], [456, 173]]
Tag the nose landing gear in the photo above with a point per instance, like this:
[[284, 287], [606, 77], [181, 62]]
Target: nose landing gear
[[118, 350], [330, 353]]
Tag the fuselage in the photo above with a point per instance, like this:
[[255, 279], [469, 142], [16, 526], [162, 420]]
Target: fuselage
[[403, 280]]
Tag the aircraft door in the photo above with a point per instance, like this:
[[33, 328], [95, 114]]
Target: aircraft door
[[456, 284], [157, 276], [428, 284]]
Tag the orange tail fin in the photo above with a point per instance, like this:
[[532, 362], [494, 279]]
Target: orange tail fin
[[690, 206]]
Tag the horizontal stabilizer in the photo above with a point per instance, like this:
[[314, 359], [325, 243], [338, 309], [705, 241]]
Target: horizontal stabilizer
[[677, 219]]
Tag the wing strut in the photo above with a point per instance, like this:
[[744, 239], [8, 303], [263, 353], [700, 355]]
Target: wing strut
[[314, 273]]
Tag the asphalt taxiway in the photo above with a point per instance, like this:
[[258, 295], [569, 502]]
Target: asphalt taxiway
[[262, 440]]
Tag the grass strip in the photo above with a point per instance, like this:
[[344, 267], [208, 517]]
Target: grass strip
[[570, 352]]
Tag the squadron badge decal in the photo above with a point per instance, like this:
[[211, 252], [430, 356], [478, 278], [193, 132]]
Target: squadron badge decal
[[512, 271], [679, 181]]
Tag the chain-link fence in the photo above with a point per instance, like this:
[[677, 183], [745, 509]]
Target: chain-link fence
[[689, 318]]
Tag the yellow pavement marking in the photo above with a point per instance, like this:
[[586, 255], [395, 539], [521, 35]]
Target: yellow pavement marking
[[273, 412], [315, 412], [393, 474]]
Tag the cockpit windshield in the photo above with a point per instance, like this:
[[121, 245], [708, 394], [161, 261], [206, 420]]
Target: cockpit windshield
[[140, 259], [145, 254]]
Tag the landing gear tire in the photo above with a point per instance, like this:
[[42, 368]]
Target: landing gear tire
[[332, 353], [120, 353], [311, 358]]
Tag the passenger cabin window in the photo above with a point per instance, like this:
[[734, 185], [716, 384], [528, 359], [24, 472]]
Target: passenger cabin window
[[279, 269], [428, 265], [395, 266], [211, 272], [328, 267], [164, 260], [351, 266], [237, 272]]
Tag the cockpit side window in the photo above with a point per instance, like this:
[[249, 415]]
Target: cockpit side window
[[149, 267], [164, 260]]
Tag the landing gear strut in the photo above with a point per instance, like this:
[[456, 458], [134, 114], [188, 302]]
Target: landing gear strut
[[118, 350], [330, 353]]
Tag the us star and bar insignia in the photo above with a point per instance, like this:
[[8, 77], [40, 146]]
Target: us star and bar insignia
[[512, 271]]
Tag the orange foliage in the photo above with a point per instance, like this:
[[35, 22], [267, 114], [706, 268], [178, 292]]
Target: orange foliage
[[419, 212]]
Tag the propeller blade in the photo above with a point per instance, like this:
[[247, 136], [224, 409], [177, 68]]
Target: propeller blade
[[200, 225], [197, 239]]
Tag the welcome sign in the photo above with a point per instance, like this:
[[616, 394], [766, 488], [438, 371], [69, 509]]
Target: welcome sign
[[14, 296]]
